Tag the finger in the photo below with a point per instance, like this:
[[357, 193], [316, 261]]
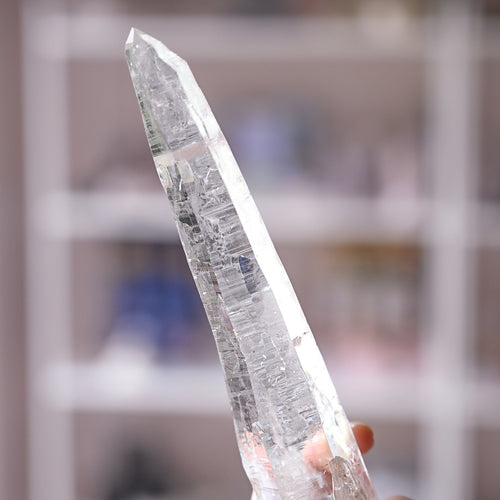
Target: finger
[[317, 452], [364, 436]]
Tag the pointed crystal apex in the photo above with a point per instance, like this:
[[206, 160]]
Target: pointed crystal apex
[[134, 32], [175, 111], [139, 44], [137, 41]]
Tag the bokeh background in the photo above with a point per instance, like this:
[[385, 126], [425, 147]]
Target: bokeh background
[[368, 131]]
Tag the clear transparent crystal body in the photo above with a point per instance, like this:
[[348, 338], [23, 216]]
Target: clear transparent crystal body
[[279, 389]]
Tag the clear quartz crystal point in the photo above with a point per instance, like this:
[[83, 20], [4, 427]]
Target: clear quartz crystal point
[[282, 398]]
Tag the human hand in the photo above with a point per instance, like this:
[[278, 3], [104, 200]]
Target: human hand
[[317, 452]]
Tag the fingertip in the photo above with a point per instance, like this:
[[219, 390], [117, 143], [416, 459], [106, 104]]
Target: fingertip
[[317, 452], [364, 437]]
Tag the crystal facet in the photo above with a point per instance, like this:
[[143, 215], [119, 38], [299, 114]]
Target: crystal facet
[[279, 389]]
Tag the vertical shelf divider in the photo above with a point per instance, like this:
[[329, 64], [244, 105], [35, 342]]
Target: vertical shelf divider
[[49, 325], [445, 455]]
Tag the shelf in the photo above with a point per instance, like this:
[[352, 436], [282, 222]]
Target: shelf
[[290, 217], [200, 390], [317, 218], [243, 38], [306, 38], [136, 387], [108, 216]]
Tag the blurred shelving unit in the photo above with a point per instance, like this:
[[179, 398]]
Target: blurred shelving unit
[[95, 387], [445, 220], [117, 216]]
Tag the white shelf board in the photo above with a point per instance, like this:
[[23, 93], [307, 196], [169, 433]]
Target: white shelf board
[[291, 217], [107, 216], [135, 387], [296, 217], [200, 390], [232, 37]]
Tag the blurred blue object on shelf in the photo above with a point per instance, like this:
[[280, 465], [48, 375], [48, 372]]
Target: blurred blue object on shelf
[[274, 138], [155, 312]]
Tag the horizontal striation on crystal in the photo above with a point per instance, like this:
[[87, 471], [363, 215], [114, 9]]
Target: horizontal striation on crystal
[[279, 389]]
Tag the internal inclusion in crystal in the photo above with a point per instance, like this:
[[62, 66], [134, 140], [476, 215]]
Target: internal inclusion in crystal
[[279, 389]]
